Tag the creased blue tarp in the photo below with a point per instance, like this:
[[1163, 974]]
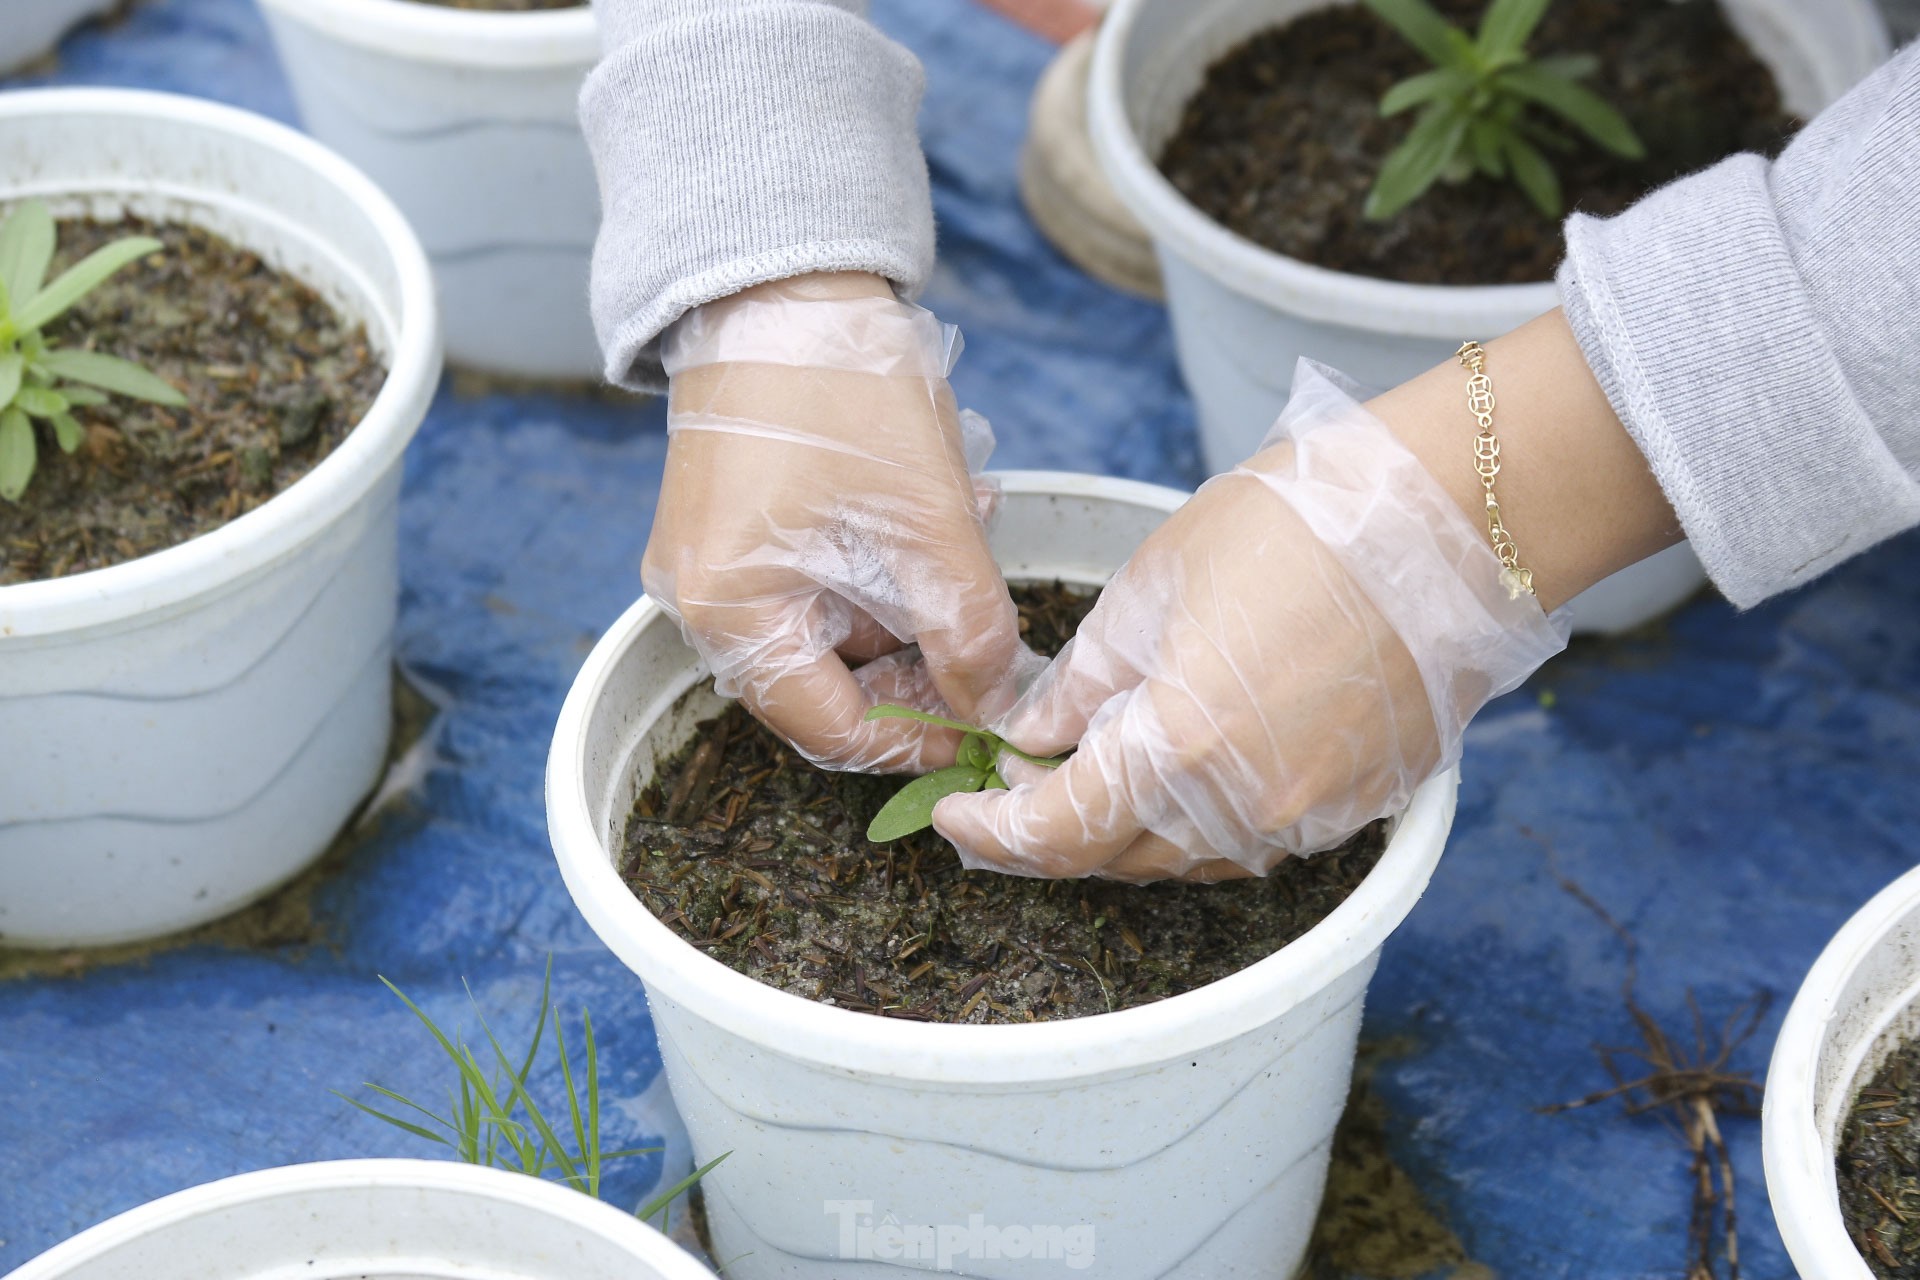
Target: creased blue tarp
[[1730, 790]]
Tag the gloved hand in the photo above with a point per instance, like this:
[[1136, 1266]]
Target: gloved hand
[[1285, 660], [821, 507]]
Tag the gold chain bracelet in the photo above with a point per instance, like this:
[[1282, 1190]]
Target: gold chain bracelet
[[1486, 463]]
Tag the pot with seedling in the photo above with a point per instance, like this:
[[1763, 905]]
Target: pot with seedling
[[1843, 1096], [219, 339], [1369, 184], [465, 112], [919, 1067], [34, 29]]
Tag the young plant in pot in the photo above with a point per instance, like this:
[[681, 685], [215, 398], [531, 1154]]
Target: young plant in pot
[[1367, 184], [900, 1052], [217, 339], [466, 113]]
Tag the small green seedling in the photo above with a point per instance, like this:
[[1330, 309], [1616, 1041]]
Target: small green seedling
[[494, 1121], [1474, 104], [37, 380], [977, 768]]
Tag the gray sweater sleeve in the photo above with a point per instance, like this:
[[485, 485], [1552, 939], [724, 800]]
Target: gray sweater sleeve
[[741, 141], [1757, 328]]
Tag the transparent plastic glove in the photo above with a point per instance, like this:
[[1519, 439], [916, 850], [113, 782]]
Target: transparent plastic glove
[[821, 507], [1285, 660]]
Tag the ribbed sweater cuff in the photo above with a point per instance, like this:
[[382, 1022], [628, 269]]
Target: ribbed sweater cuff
[[1666, 301], [738, 143]]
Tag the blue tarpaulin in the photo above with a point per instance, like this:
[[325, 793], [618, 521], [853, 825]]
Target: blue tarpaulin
[[1729, 787]]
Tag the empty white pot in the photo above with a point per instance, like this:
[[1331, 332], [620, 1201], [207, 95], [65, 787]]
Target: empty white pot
[[467, 119], [188, 730], [1184, 1138], [29, 28], [1242, 315], [1860, 1002], [370, 1220]]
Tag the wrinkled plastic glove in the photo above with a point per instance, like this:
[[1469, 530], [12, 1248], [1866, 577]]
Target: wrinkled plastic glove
[[822, 506], [1286, 659]]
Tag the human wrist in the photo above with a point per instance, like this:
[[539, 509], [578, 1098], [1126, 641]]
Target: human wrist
[[1574, 491]]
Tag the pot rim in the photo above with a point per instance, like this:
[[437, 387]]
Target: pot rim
[[178, 574], [1030, 1053], [436, 33], [1802, 1182], [501, 1187]]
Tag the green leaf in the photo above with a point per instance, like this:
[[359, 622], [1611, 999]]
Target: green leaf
[[111, 373], [77, 281], [26, 247], [13, 368], [1489, 154], [1506, 27], [1418, 90], [17, 453], [1422, 26], [1578, 106], [659, 1204], [911, 808], [995, 782], [1534, 174], [395, 1121], [85, 397], [1413, 166], [975, 751], [1568, 66], [67, 432], [40, 402]]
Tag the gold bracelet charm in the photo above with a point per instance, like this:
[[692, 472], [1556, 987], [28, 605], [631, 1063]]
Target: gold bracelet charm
[[1486, 463]]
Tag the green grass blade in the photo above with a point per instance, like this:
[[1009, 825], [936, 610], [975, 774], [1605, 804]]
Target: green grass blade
[[1578, 106], [77, 281], [417, 1130], [660, 1203], [911, 808], [627, 1153], [591, 1152], [18, 453], [550, 1142], [26, 249], [581, 1145], [110, 373]]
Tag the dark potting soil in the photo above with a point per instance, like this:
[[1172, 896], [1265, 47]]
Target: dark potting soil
[[1284, 139], [274, 380], [750, 853], [1879, 1167]]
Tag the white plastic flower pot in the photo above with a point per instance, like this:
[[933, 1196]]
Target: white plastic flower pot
[[467, 119], [1859, 1003], [370, 1220], [30, 28], [1242, 314], [188, 730], [1188, 1137]]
